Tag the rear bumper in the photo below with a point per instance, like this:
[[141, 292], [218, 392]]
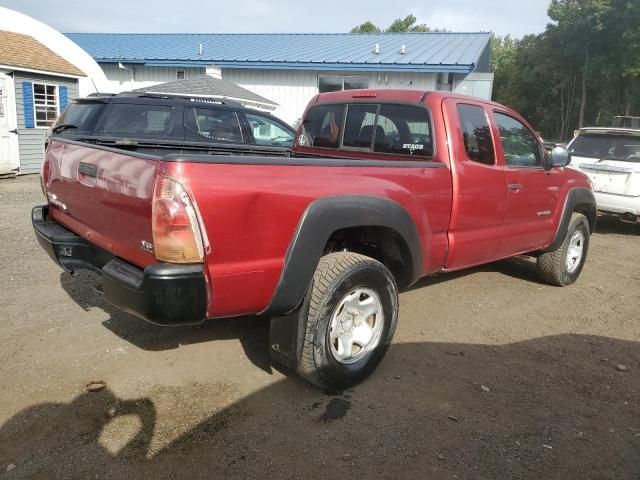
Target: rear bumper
[[162, 293]]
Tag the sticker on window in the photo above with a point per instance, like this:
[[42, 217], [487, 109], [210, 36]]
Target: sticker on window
[[413, 146]]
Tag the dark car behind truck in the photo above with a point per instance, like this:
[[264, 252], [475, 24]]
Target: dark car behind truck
[[382, 187]]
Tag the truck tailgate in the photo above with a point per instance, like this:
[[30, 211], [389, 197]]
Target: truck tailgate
[[102, 195]]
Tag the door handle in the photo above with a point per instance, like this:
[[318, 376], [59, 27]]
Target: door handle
[[14, 131], [514, 186]]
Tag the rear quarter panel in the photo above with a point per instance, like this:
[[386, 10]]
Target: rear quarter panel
[[250, 213]]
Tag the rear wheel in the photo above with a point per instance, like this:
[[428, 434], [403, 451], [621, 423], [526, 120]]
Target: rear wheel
[[351, 314], [563, 265]]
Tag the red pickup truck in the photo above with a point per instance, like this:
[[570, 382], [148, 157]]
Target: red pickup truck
[[382, 187]]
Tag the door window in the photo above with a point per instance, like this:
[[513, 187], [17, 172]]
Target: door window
[[521, 149], [476, 134], [268, 132], [212, 124]]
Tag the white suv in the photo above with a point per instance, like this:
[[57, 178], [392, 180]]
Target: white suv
[[611, 159]]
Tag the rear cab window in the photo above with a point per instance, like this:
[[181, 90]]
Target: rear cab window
[[382, 128]]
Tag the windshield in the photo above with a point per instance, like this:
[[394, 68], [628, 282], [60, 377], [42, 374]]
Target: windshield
[[81, 116], [607, 147]]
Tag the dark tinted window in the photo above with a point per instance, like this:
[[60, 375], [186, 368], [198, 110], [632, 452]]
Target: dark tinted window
[[140, 121], [607, 146], [212, 124], [360, 125], [82, 115], [322, 126], [476, 134], [521, 149], [403, 130]]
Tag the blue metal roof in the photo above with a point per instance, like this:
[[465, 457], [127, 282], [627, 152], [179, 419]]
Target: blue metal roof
[[424, 52]]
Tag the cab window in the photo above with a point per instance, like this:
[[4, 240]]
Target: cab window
[[359, 126], [476, 134], [521, 149], [403, 130], [322, 127]]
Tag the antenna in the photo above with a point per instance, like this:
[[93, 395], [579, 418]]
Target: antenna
[[376, 48], [201, 49], [403, 49]]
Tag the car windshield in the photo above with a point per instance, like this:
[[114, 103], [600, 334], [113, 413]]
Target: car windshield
[[607, 147]]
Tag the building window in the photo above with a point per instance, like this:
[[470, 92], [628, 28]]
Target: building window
[[45, 104], [180, 74], [335, 83]]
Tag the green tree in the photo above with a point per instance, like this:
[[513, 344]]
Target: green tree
[[366, 27], [406, 24]]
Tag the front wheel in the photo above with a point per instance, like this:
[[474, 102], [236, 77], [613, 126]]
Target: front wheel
[[351, 314], [563, 265]]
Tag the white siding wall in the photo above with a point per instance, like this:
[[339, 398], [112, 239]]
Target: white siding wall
[[292, 89], [122, 80], [477, 85]]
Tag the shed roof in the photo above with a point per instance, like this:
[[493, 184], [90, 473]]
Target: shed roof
[[24, 51], [425, 52], [206, 85]]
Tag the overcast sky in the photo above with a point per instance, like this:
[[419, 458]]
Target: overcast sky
[[516, 17]]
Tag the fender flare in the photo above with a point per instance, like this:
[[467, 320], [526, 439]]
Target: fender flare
[[320, 220], [578, 200]]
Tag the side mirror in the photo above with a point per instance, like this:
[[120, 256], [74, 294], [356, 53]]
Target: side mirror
[[559, 157]]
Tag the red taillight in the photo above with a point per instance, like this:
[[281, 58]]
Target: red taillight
[[176, 231]]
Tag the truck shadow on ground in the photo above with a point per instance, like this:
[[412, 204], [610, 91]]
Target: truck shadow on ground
[[253, 332], [553, 407]]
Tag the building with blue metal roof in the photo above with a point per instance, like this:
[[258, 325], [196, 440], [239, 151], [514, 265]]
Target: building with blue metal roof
[[290, 69]]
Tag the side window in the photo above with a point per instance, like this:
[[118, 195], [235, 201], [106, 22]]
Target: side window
[[403, 130], [476, 134], [521, 149], [322, 127], [268, 132], [155, 121], [212, 124], [360, 125]]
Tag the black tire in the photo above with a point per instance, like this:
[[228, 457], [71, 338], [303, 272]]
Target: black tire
[[336, 276], [552, 266]]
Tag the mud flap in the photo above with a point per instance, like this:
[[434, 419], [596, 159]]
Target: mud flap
[[286, 336]]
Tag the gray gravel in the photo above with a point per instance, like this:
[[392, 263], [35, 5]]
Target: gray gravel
[[529, 372]]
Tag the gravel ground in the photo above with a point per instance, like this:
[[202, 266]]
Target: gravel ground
[[491, 375]]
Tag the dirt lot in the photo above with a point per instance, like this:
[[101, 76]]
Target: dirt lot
[[491, 375]]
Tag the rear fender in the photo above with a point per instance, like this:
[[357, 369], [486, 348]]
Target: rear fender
[[320, 220]]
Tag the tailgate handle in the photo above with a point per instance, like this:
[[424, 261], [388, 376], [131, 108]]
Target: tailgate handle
[[88, 169]]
